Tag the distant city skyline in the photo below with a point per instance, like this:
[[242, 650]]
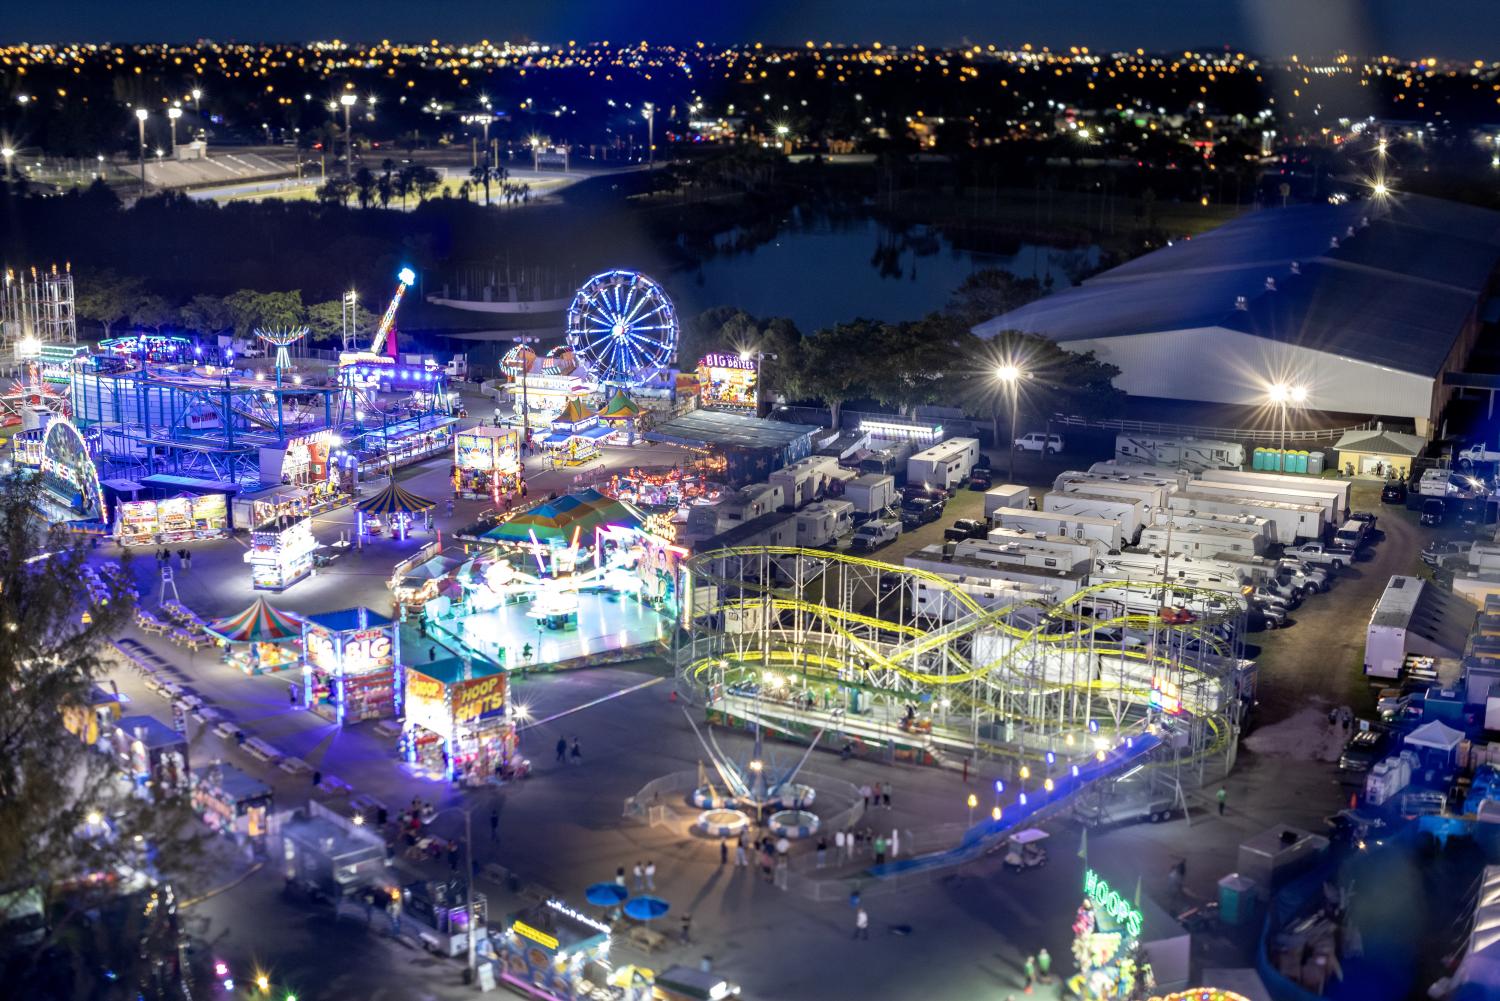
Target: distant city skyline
[[1450, 29]]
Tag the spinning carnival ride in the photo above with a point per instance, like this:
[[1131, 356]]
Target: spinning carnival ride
[[623, 329]]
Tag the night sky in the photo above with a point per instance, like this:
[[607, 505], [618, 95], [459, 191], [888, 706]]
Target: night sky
[[1468, 29]]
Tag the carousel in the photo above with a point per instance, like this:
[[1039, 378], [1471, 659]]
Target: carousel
[[392, 509], [259, 639]]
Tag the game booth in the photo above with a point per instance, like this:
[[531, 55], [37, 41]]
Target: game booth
[[728, 382], [259, 639], [232, 803], [281, 553], [350, 666], [151, 752], [551, 950], [457, 724], [170, 520], [576, 435], [487, 462]]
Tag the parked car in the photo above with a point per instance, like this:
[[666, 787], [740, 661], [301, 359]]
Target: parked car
[[1369, 518], [1321, 554], [981, 479], [916, 491], [1393, 492], [1036, 441], [1438, 552], [920, 512], [1434, 512], [1361, 753], [966, 528], [874, 534]]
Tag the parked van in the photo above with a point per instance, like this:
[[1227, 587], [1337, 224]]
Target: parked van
[[1353, 534]]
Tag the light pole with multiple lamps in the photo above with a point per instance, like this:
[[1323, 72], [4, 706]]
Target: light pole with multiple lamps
[[140, 119], [7, 152], [1011, 377], [348, 101], [526, 341], [1285, 397]]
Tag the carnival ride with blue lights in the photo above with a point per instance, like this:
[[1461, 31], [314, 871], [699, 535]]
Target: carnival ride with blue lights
[[623, 329], [155, 411]]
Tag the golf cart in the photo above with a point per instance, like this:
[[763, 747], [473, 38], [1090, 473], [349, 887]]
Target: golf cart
[[1024, 850]]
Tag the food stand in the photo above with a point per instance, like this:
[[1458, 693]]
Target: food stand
[[440, 909], [416, 583], [551, 950], [231, 802], [259, 639], [149, 752], [281, 553], [456, 720], [95, 719], [328, 858], [487, 462], [576, 435], [350, 666], [172, 520]]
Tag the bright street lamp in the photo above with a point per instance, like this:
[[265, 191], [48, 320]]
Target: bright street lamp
[[1011, 377], [197, 97], [648, 112], [1285, 396], [174, 113], [348, 101], [140, 120], [7, 152]]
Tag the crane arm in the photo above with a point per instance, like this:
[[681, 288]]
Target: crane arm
[[405, 280]]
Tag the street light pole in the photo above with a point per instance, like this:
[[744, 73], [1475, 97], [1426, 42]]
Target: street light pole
[[348, 101], [174, 113], [1011, 376], [648, 110], [140, 118], [525, 341]]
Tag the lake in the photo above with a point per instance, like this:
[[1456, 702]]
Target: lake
[[822, 272]]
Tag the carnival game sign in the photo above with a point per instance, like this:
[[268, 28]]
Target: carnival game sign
[[478, 699], [365, 651], [1109, 902], [427, 703], [727, 380]]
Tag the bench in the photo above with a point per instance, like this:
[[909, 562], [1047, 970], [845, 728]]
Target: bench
[[294, 766], [646, 938], [226, 729], [336, 785], [260, 749]]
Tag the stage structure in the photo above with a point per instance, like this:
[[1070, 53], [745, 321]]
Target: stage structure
[[786, 638], [36, 309]]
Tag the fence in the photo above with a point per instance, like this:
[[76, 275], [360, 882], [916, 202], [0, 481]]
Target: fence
[[1272, 436]]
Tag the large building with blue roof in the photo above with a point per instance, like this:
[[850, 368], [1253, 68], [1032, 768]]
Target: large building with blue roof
[[1367, 304]]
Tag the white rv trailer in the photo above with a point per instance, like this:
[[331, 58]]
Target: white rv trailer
[[1074, 526], [1260, 526], [1202, 540], [945, 465], [1153, 494], [1128, 512], [1340, 487], [1114, 467], [1194, 454], [1076, 549], [1333, 512], [1289, 521]]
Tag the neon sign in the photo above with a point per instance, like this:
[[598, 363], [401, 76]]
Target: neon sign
[[583, 919], [1109, 902], [538, 936]]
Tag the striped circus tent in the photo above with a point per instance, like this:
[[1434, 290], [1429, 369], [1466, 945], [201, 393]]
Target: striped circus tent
[[394, 499], [620, 408], [260, 623]]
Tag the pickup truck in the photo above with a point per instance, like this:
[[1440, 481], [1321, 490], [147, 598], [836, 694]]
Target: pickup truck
[[1475, 453], [874, 534], [1303, 575], [919, 512], [1321, 555]]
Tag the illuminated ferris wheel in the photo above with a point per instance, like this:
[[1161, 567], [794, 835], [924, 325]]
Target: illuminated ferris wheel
[[622, 328]]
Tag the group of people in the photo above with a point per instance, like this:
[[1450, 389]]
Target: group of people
[[875, 795], [184, 558], [853, 843], [566, 751]]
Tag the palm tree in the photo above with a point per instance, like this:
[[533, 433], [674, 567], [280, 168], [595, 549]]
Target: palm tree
[[481, 175], [364, 186]]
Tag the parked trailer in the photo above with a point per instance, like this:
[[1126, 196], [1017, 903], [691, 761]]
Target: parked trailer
[[1158, 474], [1201, 540], [870, 493], [1289, 522], [1127, 512], [1249, 522], [1194, 454], [1217, 574], [945, 465], [1340, 487], [805, 480], [938, 601], [1075, 550], [1073, 526], [1333, 511], [1154, 495], [1006, 496], [820, 523]]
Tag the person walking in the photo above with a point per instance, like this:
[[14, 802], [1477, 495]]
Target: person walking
[[650, 874], [1177, 875], [562, 749], [1029, 968], [864, 791], [1222, 795], [862, 924], [395, 913], [723, 852], [620, 876], [453, 857], [1044, 965], [838, 845], [291, 695], [687, 929], [494, 825], [576, 752], [895, 842], [822, 850], [880, 849], [640, 877], [741, 860], [885, 795]]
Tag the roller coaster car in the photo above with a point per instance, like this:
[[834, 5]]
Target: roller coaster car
[[1177, 616]]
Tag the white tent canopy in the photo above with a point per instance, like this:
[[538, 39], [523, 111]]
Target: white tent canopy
[[1481, 963], [1436, 736]]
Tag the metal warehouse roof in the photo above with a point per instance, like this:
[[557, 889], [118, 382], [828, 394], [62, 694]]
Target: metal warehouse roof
[[728, 430], [1391, 282]]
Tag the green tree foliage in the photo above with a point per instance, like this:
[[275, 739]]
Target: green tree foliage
[[55, 790], [252, 309], [1054, 380], [989, 293], [106, 297], [777, 343], [839, 361], [152, 311], [325, 321], [912, 363], [364, 186], [207, 314]]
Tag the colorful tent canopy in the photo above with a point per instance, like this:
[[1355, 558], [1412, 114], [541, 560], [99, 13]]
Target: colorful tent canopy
[[559, 519], [394, 499], [260, 623], [620, 408], [576, 412]]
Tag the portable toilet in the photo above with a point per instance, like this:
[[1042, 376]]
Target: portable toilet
[[1259, 460], [1236, 899], [1274, 460], [1315, 463], [1301, 459]]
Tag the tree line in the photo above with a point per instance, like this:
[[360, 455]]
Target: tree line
[[112, 299], [936, 360], [416, 180]]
